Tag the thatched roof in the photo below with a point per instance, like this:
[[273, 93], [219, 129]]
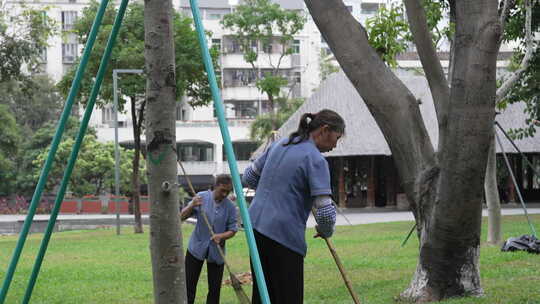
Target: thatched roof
[[363, 136]]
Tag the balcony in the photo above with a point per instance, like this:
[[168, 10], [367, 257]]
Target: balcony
[[242, 93], [199, 167], [211, 167], [236, 60], [242, 165]]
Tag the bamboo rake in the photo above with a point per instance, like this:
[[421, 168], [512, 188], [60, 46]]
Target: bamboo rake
[[340, 266]]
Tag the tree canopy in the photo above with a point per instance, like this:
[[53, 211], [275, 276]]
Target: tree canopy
[[94, 171], [23, 38]]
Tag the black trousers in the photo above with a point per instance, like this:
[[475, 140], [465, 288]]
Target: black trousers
[[193, 272], [283, 271]]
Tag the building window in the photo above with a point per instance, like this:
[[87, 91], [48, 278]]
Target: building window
[[43, 54], [297, 77], [181, 113], [214, 16], [107, 114], [216, 43], [232, 46], [239, 77], [196, 152], [69, 52], [296, 46], [68, 20], [241, 109], [242, 150], [267, 48], [254, 45], [370, 8]]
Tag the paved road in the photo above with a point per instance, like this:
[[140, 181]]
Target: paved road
[[44, 217], [397, 216], [354, 216]]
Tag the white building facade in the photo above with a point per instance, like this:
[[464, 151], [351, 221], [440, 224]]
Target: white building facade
[[200, 145]]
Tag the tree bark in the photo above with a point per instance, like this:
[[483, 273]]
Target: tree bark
[[135, 180], [492, 197], [165, 235], [445, 189]]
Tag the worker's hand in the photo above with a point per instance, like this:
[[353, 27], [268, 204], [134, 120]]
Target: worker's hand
[[217, 238], [197, 201], [318, 234]]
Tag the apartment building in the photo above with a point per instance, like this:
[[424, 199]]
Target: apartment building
[[200, 145]]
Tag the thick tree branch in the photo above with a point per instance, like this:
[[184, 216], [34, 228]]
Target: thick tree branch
[[530, 50], [393, 106], [452, 39], [428, 56]]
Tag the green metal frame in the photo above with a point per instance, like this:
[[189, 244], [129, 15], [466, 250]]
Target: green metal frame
[[76, 147], [218, 104], [52, 152]]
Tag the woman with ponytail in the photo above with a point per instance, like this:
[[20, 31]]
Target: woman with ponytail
[[292, 177]]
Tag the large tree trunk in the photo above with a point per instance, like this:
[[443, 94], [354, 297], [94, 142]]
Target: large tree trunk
[[445, 188], [492, 197], [165, 234], [135, 181]]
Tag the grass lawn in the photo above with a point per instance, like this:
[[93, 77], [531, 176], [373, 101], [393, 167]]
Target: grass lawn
[[96, 266]]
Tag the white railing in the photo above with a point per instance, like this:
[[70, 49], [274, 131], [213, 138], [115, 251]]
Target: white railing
[[199, 167]]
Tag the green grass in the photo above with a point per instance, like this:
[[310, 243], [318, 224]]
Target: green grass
[[96, 266]]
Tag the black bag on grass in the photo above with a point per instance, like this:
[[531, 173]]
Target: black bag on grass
[[525, 242]]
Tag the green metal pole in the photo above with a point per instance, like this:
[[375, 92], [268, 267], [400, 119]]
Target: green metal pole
[[76, 147], [52, 152], [230, 153]]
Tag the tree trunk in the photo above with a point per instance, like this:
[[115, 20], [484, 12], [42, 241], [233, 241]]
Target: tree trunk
[[135, 181], [492, 197], [273, 114], [165, 235], [445, 188]]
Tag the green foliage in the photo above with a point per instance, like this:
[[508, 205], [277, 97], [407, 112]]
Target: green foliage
[[35, 145], [28, 101], [9, 148], [32, 105], [388, 33], [94, 170], [128, 53], [264, 124], [326, 66], [23, 36], [271, 85], [527, 88], [435, 11]]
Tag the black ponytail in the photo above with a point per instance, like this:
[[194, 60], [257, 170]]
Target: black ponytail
[[305, 127]]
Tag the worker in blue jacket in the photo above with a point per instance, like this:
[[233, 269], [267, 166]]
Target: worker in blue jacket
[[221, 214], [291, 177]]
